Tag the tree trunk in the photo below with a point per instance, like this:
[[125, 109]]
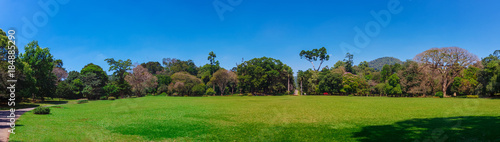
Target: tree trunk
[[288, 86], [301, 88], [445, 81]]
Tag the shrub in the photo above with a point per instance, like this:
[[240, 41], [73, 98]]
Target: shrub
[[111, 98], [205, 95], [198, 90], [41, 110], [472, 96], [351, 95], [210, 92], [103, 98], [163, 94], [439, 94], [249, 94], [82, 101]]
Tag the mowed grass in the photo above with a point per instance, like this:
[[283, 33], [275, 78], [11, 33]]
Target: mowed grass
[[271, 118]]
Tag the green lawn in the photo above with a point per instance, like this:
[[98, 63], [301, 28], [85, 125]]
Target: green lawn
[[280, 118]]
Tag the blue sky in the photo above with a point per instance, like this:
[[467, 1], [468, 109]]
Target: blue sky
[[89, 31]]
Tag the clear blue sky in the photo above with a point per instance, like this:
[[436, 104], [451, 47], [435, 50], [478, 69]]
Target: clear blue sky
[[85, 31]]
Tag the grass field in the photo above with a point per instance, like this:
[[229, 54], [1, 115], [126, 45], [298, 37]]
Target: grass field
[[279, 118]]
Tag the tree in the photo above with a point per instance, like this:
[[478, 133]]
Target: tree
[[314, 55], [447, 61], [153, 67], [64, 90], [205, 72], [173, 65], [41, 61], [141, 80], [339, 64], [183, 82], [120, 68], [111, 90], [392, 86], [213, 62], [94, 79], [466, 83], [198, 89], [411, 77], [222, 78], [263, 75], [385, 73], [330, 82], [60, 73], [6, 44], [349, 63]]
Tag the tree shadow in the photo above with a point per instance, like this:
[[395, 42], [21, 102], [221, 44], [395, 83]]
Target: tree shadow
[[56, 102], [469, 128], [18, 106]]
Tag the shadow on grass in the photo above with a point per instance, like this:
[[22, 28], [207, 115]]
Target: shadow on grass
[[472, 128], [18, 106], [55, 102], [202, 131]]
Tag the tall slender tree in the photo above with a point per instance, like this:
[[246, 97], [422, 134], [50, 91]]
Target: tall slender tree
[[120, 68], [314, 55]]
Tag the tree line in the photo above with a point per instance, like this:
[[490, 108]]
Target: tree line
[[451, 71], [447, 71]]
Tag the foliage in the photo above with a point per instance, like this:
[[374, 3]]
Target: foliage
[[349, 62], [448, 62], [141, 80], [198, 90], [330, 82], [205, 72], [93, 79], [153, 67], [263, 75], [173, 65], [60, 73], [64, 90], [353, 84], [314, 55], [466, 83], [439, 94], [182, 82], [41, 110], [472, 96], [222, 78], [111, 98], [41, 61], [82, 101], [111, 90], [120, 69], [377, 64], [392, 86], [210, 92]]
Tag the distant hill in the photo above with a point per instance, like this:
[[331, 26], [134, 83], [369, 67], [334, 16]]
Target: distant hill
[[380, 62]]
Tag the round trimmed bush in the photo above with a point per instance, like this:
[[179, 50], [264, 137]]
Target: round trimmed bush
[[111, 98], [439, 94], [41, 110]]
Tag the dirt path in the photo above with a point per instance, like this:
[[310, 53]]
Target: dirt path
[[4, 122]]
